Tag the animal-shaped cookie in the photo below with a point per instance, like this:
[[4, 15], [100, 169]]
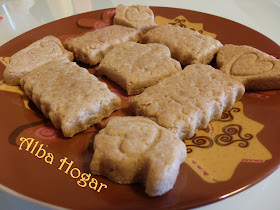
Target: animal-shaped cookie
[[252, 67], [137, 66], [136, 16], [36, 54], [137, 150]]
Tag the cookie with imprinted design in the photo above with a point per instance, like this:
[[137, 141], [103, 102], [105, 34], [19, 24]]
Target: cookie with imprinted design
[[137, 66], [189, 99], [91, 47], [252, 67], [69, 95], [36, 54], [186, 45], [137, 150], [140, 17]]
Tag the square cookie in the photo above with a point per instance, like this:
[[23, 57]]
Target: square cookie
[[91, 47], [36, 54], [137, 66], [136, 16], [252, 67], [69, 95], [137, 150], [186, 45], [189, 99]]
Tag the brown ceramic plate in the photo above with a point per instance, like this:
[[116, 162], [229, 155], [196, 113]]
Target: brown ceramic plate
[[231, 155]]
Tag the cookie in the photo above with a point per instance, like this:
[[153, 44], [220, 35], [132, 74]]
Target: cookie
[[137, 150], [69, 95], [186, 45], [252, 67], [140, 17], [91, 47], [137, 66], [36, 54], [189, 99]]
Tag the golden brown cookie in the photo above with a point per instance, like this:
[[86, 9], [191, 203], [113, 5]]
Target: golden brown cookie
[[69, 95], [136, 16], [36, 54], [91, 47], [186, 46], [189, 99], [137, 150], [137, 66], [252, 67]]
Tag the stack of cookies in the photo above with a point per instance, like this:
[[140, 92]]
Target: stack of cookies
[[166, 69]]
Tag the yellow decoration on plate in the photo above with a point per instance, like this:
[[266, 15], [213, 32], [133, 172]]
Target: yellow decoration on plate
[[183, 22], [11, 88], [5, 60], [15, 89], [215, 153]]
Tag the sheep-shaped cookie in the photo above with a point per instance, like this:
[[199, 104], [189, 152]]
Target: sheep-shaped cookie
[[137, 150]]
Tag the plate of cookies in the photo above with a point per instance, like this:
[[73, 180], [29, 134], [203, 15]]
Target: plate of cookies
[[138, 107]]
